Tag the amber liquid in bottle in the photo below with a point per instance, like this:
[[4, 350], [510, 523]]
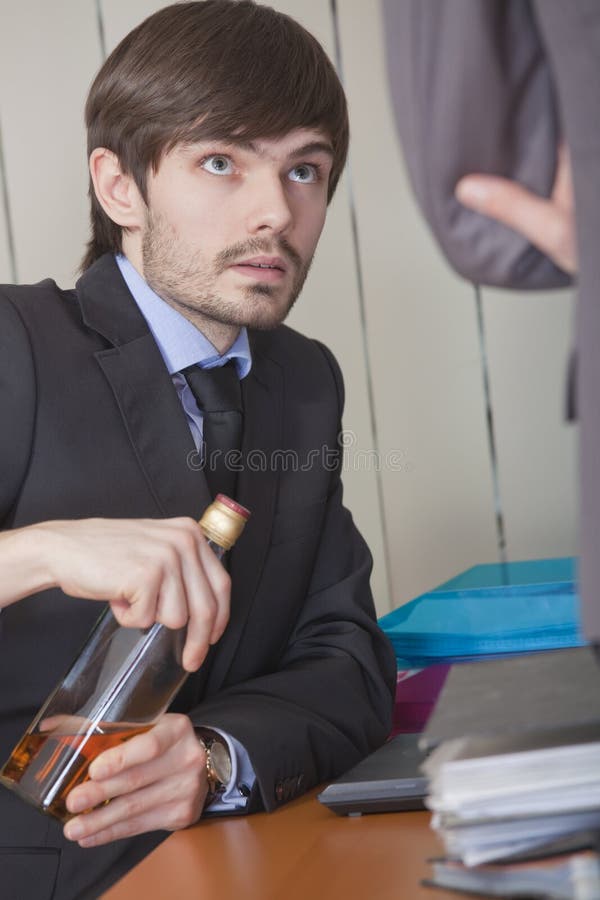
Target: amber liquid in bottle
[[37, 758]]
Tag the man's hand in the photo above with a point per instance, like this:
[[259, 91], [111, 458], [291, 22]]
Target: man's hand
[[548, 224], [156, 780], [150, 570]]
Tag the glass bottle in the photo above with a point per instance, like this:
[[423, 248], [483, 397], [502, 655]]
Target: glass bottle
[[120, 683]]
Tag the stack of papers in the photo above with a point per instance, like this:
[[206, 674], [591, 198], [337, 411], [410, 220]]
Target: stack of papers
[[495, 798], [467, 624], [572, 877], [514, 774]]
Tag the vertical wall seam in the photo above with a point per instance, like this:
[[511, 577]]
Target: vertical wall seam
[[101, 31], [12, 255], [363, 319], [491, 433]]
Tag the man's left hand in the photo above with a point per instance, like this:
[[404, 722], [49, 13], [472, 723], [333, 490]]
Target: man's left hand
[[154, 781]]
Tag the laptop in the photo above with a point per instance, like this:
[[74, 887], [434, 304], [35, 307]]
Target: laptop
[[389, 780]]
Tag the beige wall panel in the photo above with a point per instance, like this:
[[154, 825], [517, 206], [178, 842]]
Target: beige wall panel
[[119, 17], [6, 274], [44, 77], [529, 339], [423, 343], [5, 267], [329, 309]]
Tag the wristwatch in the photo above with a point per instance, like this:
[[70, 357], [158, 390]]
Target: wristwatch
[[218, 762]]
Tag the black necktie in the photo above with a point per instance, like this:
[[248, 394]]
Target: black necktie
[[219, 398]]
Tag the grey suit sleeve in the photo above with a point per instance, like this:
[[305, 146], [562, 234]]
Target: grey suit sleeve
[[571, 33], [472, 92], [17, 404]]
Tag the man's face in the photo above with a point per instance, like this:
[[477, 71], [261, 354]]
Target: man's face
[[232, 227]]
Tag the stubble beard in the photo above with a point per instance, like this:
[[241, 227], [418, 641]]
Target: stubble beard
[[188, 282]]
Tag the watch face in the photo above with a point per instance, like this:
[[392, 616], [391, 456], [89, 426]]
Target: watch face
[[221, 762]]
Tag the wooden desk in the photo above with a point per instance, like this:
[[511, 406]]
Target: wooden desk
[[300, 852]]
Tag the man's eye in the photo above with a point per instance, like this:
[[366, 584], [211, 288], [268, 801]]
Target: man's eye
[[305, 174], [217, 165]]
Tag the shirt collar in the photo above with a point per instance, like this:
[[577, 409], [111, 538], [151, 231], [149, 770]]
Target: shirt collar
[[180, 343]]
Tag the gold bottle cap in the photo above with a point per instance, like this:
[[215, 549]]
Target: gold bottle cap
[[223, 521]]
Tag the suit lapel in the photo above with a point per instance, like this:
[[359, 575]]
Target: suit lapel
[[156, 426], [142, 387]]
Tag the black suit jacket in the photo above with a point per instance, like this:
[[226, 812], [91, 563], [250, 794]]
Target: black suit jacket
[[92, 426]]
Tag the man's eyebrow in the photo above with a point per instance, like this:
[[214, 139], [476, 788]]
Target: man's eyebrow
[[317, 146], [313, 147]]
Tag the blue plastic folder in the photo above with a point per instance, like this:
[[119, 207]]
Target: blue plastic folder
[[490, 610]]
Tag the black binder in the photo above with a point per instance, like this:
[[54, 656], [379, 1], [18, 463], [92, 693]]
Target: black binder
[[550, 691]]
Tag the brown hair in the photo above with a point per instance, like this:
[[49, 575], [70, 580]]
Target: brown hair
[[218, 69]]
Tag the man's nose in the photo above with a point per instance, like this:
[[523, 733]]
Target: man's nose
[[269, 208]]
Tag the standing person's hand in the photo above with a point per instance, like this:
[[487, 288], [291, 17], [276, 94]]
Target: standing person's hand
[[153, 781], [549, 224]]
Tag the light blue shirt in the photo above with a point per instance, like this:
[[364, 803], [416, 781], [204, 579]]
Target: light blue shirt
[[182, 345]]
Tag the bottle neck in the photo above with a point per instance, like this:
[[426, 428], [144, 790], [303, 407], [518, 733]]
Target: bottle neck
[[216, 549]]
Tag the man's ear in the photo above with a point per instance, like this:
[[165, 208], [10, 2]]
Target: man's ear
[[117, 193]]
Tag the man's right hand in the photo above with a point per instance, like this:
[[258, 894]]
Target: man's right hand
[[149, 570]]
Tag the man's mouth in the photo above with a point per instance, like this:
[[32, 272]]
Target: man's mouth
[[263, 268]]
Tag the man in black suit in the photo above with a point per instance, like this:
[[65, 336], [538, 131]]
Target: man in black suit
[[217, 133]]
